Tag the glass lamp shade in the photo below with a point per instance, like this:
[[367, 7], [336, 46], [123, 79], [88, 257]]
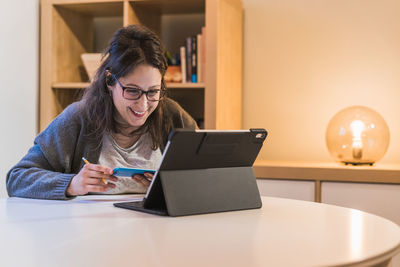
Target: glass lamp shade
[[357, 135]]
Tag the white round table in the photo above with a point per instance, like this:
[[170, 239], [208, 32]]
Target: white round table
[[89, 231]]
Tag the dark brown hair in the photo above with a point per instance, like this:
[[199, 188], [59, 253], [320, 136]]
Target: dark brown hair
[[130, 47]]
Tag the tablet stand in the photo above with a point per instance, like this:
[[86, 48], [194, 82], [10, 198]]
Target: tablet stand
[[188, 192]]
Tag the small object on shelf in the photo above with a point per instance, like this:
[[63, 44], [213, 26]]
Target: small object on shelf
[[170, 59], [91, 62], [357, 135], [173, 74]]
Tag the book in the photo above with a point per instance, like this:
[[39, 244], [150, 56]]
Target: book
[[199, 58], [182, 51], [194, 58], [202, 57], [188, 59]]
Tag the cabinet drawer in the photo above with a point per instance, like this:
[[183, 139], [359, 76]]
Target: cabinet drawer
[[301, 190], [379, 199]]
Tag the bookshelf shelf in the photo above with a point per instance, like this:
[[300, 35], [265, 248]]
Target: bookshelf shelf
[[185, 85], [71, 27], [82, 85], [70, 85]]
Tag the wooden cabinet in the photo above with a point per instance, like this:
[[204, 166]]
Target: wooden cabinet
[[319, 173], [72, 27]]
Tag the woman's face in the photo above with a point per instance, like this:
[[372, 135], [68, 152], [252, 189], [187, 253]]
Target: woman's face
[[136, 112]]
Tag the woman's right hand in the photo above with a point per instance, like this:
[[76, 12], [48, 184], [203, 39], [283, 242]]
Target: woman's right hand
[[90, 179]]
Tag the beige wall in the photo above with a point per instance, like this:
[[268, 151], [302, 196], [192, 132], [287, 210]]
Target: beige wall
[[304, 60]]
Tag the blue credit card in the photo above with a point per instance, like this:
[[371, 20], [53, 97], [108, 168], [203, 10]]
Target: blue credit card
[[130, 171]]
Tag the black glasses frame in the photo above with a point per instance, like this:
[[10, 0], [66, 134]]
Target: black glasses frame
[[142, 92]]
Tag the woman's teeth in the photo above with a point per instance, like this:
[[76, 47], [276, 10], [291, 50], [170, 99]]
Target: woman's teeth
[[138, 113]]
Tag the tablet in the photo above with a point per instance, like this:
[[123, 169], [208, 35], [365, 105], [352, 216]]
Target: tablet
[[204, 171]]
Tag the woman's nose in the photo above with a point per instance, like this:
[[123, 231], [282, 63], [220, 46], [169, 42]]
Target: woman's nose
[[142, 101]]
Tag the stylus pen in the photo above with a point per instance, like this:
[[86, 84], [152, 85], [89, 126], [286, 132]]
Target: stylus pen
[[87, 162]]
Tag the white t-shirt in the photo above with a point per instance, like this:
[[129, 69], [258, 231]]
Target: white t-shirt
[[140, 156]]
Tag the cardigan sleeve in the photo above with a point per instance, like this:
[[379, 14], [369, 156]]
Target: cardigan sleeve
[[45, 171]]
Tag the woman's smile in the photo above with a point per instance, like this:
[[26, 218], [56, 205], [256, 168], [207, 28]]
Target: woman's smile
[[138, 114]]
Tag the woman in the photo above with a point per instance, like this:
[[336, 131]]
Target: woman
[[122, 120]]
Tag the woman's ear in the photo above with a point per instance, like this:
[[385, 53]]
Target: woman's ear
[[110, 80]]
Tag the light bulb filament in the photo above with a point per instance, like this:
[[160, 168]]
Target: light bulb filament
[[357, 126], [357, 148]]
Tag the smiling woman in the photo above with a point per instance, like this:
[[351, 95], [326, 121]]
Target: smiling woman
[[123, 120]]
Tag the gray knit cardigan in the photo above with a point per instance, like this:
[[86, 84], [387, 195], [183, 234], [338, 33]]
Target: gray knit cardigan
[[56, 156]]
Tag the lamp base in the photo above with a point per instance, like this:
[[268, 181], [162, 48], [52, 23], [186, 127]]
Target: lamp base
[[357, 163]]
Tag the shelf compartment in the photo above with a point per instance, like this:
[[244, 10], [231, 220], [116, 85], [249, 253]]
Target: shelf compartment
[[75, 32]]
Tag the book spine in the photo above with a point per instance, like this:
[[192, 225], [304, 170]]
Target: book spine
[[199, 58], [194, 59], [203, 54], [188, 59], [182, 51]]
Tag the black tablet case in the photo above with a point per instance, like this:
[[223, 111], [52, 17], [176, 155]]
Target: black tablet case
[[205, 172]]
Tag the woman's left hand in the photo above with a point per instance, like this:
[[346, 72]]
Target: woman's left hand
[[145, 178]]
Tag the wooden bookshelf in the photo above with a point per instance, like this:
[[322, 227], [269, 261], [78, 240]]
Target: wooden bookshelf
[[68, 29]]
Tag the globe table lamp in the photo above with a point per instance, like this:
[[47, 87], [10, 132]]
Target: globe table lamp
[[357, 135]]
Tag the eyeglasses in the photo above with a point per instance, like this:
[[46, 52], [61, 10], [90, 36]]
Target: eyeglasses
[[132, 93]]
